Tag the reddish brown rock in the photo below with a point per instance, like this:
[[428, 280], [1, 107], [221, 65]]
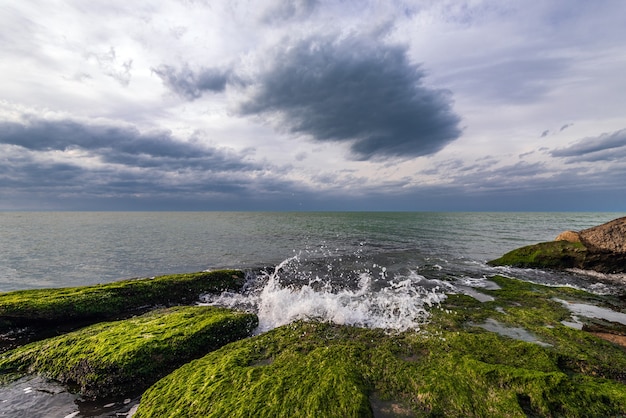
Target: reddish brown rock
[[569, 236], [608, 237]]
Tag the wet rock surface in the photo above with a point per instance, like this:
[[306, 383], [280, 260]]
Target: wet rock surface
[[30, 315]]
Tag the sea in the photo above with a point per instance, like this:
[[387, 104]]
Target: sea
[[372, 269]]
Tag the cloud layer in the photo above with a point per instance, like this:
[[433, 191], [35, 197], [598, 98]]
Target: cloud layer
[[606, 147], [313, 104]]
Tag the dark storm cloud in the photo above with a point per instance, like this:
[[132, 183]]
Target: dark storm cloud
[[191, 85], [606, 147], [354, 90], [358, 91]]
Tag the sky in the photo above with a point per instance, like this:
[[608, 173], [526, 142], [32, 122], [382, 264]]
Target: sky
[[444, 105]]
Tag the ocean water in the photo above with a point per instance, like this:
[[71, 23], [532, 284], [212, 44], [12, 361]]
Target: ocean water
[[373, 269], [383, 270]]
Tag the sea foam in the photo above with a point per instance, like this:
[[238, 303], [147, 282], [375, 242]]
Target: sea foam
[[287, 294]]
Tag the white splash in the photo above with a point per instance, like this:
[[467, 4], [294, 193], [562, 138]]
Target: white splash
[[397, 305]]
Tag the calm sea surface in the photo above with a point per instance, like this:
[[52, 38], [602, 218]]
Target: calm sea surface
[[383, 270], [42, 249]]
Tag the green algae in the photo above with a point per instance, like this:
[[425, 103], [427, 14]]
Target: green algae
[[560, 255], [553, 255], [106, 301], [448, 368], [121, 357]]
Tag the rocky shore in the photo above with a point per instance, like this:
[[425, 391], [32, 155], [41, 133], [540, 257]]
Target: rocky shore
[[601, 248], [519, 350]]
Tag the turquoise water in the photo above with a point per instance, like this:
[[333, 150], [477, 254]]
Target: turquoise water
[[44, 249]]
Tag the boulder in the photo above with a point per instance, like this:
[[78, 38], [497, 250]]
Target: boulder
[[608, 237], [600, 248], [28, 315], [569, 236], [119, 358]]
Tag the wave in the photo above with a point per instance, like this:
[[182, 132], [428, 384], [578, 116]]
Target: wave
[[368, 299]]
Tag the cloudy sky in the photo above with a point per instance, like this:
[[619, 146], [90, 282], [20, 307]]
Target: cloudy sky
[[313, 105]]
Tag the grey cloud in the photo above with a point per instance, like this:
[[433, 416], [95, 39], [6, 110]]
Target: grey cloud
[[37, 158], [355, 90], [608, 146], [282, 10], [564, 127], [545, 133], [113, 143], [191, 85], [45, 135]]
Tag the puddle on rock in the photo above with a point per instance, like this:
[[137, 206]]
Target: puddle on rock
[[481, 297], [35, 396], [592, 311], [512, 332], [468, 286]]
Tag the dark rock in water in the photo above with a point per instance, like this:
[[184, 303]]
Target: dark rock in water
[[601, 248]]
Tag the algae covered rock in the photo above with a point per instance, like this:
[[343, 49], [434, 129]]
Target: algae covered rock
[[121, 357], [451, 367], [554, 254], [601, 248], [105, 301]]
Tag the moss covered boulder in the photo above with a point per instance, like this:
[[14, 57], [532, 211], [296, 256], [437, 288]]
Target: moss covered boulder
[[454, 366], [126, 356], [601, 248], [554, 255], [74, 306], [561, 255]]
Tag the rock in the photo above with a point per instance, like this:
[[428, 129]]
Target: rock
[[42, 311], [569, 236], [608, 237], [450, 368], [113, 359], [601, 248]]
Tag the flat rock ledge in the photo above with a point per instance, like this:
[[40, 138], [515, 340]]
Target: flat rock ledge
[[601, 248]]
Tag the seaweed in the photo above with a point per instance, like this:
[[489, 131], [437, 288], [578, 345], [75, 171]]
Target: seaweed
[[451, 367], [126, 356], [45, 312]]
